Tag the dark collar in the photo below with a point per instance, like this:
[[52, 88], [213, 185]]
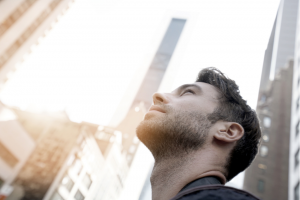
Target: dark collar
[[210, 180]]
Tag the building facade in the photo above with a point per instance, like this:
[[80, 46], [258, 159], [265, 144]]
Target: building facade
[[267, 177], [294, 157], [278, 102], [96, 168], [15, 148], [22, 23], [69, 160]]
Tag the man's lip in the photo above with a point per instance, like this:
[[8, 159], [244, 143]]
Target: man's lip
[[157, 108]]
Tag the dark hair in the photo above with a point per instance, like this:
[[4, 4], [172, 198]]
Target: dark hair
[[233, 108]]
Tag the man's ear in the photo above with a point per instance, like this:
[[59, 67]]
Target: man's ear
[[228, 131]]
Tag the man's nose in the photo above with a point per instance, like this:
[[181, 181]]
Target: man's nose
[[160, 98]]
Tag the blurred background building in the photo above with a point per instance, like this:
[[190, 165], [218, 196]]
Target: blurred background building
[[267, 177], [57, 156], [16, 147], [23, 22], [274, 173], [62, 159]]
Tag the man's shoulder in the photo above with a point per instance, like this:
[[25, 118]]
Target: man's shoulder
[[214, 192]]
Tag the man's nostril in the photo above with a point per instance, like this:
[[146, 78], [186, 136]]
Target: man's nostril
[[159, 99]]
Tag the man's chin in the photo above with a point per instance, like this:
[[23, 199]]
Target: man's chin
[[141, 130], [145, 130]]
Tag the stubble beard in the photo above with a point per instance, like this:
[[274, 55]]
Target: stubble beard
[[176, 134]]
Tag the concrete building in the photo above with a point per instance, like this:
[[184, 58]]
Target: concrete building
[[55, 136], [95, 169], [15, 148], [70, 161], [281, 46], [294, 157], [267, 177], [270, 177], [22, 23]]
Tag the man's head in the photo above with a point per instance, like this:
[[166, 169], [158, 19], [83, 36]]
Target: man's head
[[195, 116]]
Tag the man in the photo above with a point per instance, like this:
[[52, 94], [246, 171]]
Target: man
[[201, 135]]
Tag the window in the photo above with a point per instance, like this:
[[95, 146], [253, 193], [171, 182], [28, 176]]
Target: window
[[263, 98], [77, 166], [78, 196], [261, 186], [263, 150], [296, 192], [87, 181], [265, 138], [56, 196], [128, 157], [132, 148], [103, 136], [135, 140], [7, 156], [297, 159], [262, 166], [267, 122], [67, 182]]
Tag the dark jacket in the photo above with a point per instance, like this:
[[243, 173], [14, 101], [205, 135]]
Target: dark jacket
[[210, 188]]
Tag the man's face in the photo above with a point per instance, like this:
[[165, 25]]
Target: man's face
[[177, 122]]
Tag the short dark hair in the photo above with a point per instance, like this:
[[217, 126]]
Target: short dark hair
[[233, 108]]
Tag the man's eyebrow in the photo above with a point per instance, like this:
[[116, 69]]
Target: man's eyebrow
[[188, 85]]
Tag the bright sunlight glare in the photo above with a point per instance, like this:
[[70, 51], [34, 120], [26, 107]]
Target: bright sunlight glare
[[89, 58]]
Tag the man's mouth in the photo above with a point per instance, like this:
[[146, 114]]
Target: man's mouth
[[156, 108]]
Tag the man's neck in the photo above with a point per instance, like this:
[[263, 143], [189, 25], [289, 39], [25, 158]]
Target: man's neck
[[169, 176]]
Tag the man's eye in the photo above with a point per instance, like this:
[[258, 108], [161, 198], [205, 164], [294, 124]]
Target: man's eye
[[188, 91]]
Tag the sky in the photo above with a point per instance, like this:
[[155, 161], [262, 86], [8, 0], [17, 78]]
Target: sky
[[94, 55]]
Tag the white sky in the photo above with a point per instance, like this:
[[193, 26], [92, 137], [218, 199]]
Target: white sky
[[86, 63]]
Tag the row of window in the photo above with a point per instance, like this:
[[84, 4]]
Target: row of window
[[15, 15], [296, 156], [27, 33], [261, 183], [263, 151], [68, 183], [78, 196]]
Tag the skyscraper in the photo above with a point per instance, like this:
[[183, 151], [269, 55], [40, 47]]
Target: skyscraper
[[294, 157], [70, 160], [267, 177], [21, 24], [16, 147], [270, 176]]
